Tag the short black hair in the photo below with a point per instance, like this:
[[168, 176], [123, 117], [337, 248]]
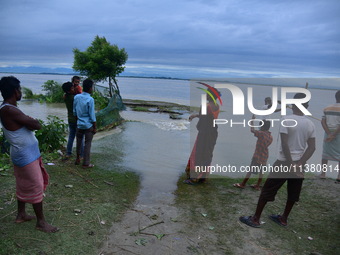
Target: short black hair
[[8, 85], [268, 99], [67, 86], [299, 96], [87, 85], [75, 78], [337, 96]]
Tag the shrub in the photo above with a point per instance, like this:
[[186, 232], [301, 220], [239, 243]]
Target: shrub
[[51, 136], [28, 94], [4, 145], [54, 91], [100, 101], [5, 164]]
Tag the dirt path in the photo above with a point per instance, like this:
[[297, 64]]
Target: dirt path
[[148, 230]]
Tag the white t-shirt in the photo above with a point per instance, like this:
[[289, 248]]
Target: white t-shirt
[[297, 136]]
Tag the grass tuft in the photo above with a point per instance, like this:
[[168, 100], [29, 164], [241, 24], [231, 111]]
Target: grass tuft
[[84, 213]]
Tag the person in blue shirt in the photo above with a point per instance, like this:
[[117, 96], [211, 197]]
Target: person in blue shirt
[[83, 109]]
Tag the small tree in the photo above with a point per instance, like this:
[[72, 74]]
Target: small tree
[[101, 61], [54, 92]]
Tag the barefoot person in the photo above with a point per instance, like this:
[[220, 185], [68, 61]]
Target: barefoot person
[[297, 146], [331, 145], [264, 139], [30, 174], [83, 109]]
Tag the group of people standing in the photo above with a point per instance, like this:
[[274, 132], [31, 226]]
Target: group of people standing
[[30, 174], [297, 145], [81, 118]]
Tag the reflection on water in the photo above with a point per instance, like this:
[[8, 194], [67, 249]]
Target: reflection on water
[[160, 120], [42, 110], [155, 146], [159, 156]]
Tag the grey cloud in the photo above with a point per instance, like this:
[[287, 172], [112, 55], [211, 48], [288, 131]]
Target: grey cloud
[[219, 34]]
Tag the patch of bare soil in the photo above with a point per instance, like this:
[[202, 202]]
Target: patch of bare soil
[[204, 220], [149, 230]]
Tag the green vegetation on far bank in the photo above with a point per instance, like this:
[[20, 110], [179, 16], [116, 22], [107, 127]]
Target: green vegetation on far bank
[[156, 106], [82, 203]]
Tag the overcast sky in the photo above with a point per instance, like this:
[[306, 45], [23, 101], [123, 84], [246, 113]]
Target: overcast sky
[[183, 38]]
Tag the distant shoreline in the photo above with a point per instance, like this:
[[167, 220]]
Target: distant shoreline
[[255, 81], [122, 76]]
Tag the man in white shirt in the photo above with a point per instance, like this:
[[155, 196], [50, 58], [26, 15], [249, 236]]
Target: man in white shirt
[[297, 146]]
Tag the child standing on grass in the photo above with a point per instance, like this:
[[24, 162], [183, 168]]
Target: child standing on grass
[[264, 139]]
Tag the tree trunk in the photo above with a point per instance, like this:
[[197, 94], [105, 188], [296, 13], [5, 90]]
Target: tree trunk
[[110, 87], [114, 80]]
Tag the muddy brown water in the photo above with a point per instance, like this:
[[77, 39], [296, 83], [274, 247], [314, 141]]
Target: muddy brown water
[[159, 156]]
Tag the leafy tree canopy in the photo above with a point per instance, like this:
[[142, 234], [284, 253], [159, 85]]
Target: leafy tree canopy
[[101, 61]]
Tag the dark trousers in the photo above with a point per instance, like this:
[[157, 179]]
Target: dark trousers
[[275, 181], [72, 128], [88, 134]]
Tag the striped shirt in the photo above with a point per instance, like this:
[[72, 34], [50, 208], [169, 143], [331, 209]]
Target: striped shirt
[[332, 115]]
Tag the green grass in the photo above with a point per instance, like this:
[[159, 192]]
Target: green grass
[[155, 106], [101, 195], [140, 109], [218, 205]]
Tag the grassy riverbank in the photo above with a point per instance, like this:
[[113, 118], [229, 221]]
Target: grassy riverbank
[[156, 106], [82, 203], [208, 214], [212, 211]]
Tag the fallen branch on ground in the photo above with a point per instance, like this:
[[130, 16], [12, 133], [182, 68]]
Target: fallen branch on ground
[[75, 172]]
